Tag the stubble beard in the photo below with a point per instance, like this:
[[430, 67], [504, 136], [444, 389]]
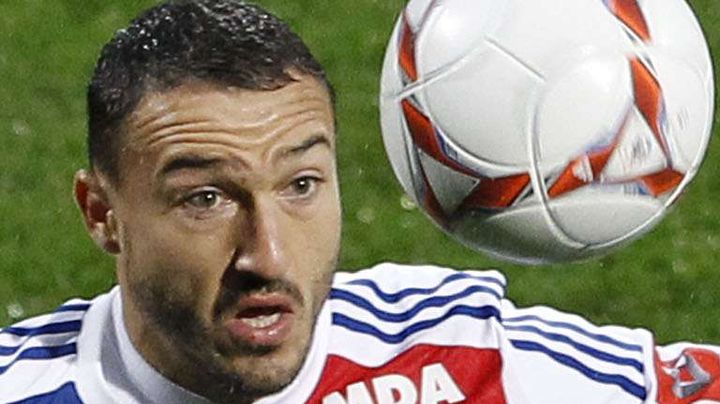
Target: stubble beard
[[201, 362]]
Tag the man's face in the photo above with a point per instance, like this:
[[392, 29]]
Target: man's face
[[228, 221]]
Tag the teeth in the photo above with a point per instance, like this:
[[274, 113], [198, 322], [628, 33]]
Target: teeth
[[261, 321]]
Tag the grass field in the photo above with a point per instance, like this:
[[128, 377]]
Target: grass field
[[668, 281]]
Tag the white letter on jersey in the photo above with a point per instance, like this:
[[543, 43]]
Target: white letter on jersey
[[387, 386], [357, 393], [438, 386]]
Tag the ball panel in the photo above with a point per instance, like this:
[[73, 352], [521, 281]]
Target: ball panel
[[584, 216], [426, 137], [630, 14], [649, 100], [493, 91], [676, 31], [407, 57], [417, 11], [521, 235], [497, 193], [479, 167], [391, 83], [660, 183], [582, 171], [393, 129], [546, 34], [394, 137], [591, 98], [427, 198], [636, 153], [686, 110], [455, 29], [451, 187]]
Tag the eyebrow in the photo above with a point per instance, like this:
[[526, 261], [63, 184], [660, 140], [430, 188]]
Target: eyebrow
[[305, 146], [188, 161], [191, 161]]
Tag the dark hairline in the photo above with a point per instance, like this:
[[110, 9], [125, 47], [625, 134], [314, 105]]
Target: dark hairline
[[182, 41]]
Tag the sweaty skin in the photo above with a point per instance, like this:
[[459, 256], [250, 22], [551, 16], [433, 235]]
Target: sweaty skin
[[226, 224]]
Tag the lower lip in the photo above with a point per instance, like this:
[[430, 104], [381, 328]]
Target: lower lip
[[273, 335]]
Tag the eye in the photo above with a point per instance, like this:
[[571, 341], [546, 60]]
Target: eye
[[302, 187], [205, 200]]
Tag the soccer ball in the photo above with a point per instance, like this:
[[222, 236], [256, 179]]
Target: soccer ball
[[546, 130]]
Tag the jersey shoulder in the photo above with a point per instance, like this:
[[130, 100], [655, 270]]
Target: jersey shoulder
[[392, 304], [565, 357], [38, 356], [413, 331]]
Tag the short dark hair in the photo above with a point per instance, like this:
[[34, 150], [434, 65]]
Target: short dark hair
[[224, 42]]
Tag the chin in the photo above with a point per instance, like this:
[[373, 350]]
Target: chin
[[225, 370], [262, 373]]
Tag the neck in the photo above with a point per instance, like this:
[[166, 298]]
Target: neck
[[154, 386]]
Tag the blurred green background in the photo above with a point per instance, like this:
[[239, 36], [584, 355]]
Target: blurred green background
[[667, 281]]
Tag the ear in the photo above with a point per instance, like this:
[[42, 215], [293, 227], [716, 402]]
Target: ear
[[97, 212]]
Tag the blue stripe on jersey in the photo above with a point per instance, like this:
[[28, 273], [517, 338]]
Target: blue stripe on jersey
[[618, 380], [484, 312], [396, 297], [39, 353], [66, 394], [9, 350], [47, 329], [73, 307], [436, 301], [579, 330], [604, 356]]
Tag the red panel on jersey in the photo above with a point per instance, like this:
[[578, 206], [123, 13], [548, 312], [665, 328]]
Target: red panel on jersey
[[629, 12], [407, 50], [426, 372], [496, 193], [648, 98], [692, 377]]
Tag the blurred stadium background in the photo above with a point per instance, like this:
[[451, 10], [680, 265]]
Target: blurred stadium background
[[668, 281]]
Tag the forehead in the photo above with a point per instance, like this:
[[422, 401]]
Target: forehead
[[202, 114], [232, 105]]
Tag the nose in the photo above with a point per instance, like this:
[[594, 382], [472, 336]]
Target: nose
[[260, 245]]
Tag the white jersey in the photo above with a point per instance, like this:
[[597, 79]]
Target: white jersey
[[388, 335]]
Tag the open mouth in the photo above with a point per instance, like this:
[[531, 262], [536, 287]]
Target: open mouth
[[261, 317], [263, 320]]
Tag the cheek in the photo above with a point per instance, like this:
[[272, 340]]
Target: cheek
[[319, 244], [185, 265]]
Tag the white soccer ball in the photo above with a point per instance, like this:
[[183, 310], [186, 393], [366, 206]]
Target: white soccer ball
[[546, 130]]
